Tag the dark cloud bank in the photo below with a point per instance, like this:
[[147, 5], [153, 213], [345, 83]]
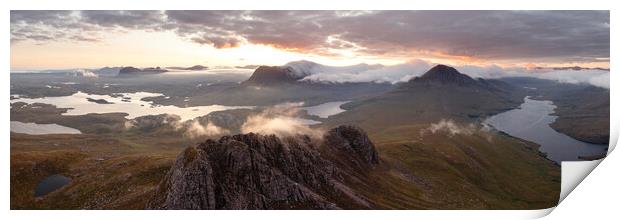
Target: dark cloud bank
[[567, 36]]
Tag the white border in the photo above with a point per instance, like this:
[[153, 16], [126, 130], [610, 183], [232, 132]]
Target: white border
[[607, 170]]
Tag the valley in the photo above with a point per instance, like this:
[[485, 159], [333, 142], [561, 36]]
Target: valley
[[431, 149], [582, 110]]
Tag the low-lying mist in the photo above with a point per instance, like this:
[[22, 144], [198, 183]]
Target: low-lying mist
[[452, 128], [280, 120], [168, 123], [406, 71], [195, 129]]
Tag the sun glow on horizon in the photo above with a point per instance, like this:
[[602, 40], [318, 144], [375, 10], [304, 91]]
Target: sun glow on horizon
[[149, 49]]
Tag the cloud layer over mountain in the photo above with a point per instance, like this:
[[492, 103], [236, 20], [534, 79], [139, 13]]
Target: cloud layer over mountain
[[403, 72]]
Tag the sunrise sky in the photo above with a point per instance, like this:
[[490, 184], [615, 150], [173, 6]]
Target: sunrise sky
[[93, 39]]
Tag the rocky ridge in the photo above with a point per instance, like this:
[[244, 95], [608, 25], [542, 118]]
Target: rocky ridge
[[254, 171]]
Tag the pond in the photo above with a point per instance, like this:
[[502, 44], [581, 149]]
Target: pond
[[531, 122], [50, 184]]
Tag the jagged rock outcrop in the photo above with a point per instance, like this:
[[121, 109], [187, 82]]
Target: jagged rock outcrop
[[353, 140], [253, 171]]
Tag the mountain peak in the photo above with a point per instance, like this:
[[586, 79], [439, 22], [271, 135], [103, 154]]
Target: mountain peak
[[440, 68], [303, 68], [442, 74], [295, 172], [270, 75]]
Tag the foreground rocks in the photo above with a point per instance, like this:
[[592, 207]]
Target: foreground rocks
[[253, 171]]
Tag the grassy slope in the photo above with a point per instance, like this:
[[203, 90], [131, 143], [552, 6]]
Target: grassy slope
[[481, 170], [583, 115], [107, 172]]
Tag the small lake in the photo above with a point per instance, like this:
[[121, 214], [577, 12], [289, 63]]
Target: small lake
[[131, 103], [326, 109], [531, 122], [50, 184], [38, 129]]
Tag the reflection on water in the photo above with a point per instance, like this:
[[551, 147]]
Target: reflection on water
[[326, 109], [531, 122], [50, 184], [129, 103], [304, 121], [36, 129]]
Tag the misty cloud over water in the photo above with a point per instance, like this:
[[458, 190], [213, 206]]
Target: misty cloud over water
[[280, 120]]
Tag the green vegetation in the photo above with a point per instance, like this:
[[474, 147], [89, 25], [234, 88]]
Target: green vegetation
[[107, 172], [484, 170]]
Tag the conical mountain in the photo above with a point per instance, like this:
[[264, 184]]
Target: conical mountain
[[271, 75], [442, 74], [441, 93]]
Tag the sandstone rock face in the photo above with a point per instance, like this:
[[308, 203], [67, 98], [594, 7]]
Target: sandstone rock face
[[252, 171], [355, 141]]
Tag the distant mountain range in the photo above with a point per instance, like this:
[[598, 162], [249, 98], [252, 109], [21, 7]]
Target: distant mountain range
[[193, 68], [113, 71], [572, 68], [107, 71], [272, 84], [132, 70]]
